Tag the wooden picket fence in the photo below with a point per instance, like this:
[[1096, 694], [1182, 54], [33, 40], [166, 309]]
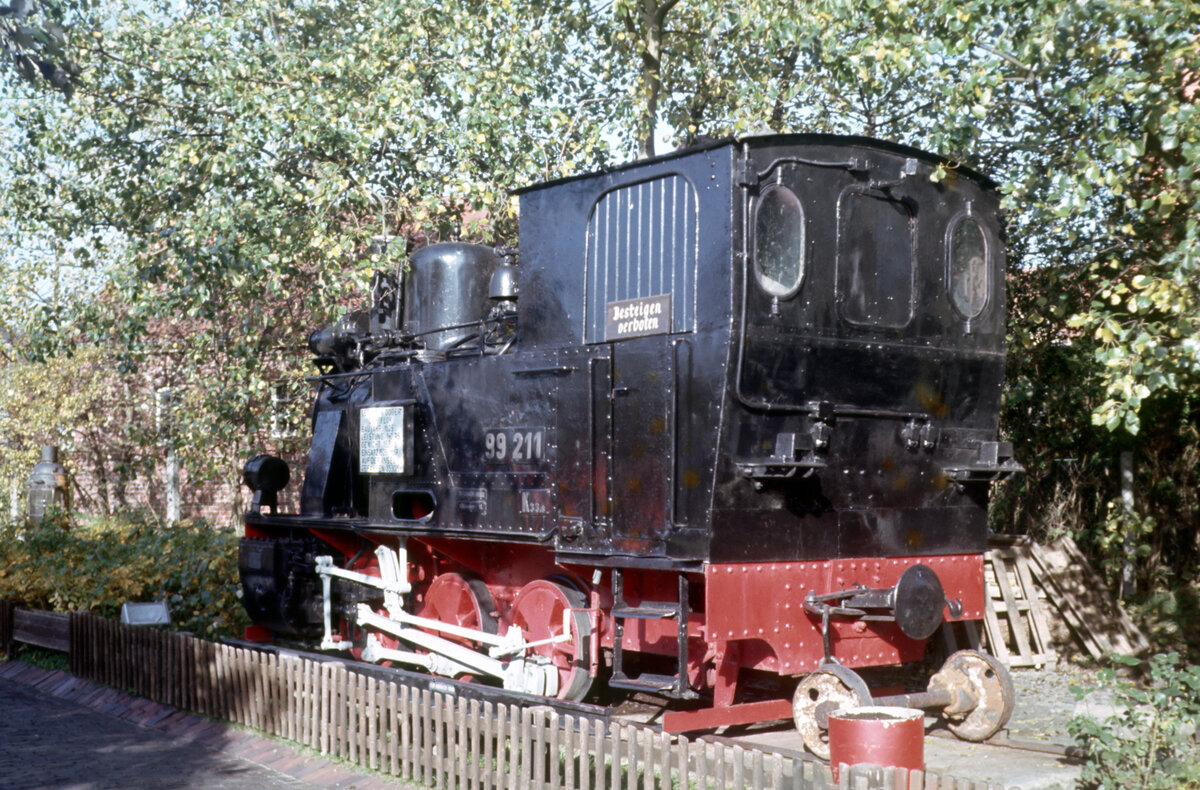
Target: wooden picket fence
[[434, 739]]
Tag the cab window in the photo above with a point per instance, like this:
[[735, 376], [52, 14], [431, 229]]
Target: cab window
[[779, 242], [968, 280], [875, 260]]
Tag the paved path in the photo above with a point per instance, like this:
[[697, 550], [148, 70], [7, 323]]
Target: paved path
[[60, 732]]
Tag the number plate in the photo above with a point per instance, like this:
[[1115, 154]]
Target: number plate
[[384, 441], [514, 446]]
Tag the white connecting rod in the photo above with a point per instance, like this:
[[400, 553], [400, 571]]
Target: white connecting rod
[[431, 642], [444, 657]]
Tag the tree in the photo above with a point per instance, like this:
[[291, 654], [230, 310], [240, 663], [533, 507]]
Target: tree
[[225, 170], [1098, 97], [84, 406], [37, 44]]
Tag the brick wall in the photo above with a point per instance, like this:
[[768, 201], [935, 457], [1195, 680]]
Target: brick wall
[[217, 502]]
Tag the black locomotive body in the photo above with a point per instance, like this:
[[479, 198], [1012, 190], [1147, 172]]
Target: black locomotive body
[[735, 408]]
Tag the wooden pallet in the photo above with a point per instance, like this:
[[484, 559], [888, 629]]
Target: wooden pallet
[[961, 635], [1084, 600], [1018, 632]]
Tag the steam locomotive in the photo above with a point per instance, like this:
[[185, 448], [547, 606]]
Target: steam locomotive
[[728, 413]]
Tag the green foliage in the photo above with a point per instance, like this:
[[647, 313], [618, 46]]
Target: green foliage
[[1169, 615], [84, 405], [41, 657], [103, 564], [35, 45], [1150, 741], [212, 191], [1072, 481]]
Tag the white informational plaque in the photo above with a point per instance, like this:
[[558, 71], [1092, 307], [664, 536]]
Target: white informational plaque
[[382, 441]]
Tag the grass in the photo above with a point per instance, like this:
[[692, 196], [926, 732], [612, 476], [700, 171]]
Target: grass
[[40, 657]]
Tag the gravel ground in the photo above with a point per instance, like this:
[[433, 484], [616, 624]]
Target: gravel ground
[[1045, 702]]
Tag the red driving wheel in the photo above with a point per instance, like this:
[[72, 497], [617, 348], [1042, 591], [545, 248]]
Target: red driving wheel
[[538, 612], [457, 600]]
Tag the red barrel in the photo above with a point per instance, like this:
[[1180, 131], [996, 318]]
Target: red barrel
[[878, 736]]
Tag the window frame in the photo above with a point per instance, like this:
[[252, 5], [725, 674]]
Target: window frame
[[602, 261], [963, 216], [802, 263], [840, 293]]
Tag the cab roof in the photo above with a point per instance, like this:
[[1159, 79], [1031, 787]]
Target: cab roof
[[774, 139]]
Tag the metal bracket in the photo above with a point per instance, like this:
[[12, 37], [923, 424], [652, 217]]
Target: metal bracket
[[907, 604], [919, 435], [993, 463], [793, 454], [772, 468]]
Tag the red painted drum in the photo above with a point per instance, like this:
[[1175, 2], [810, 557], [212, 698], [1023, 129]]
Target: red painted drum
[[877, 735]]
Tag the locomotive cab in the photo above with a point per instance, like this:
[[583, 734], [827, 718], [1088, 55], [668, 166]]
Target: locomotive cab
[[741, 417]]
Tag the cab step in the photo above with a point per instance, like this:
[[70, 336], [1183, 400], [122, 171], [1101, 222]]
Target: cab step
[[671, 685], [648, 610]]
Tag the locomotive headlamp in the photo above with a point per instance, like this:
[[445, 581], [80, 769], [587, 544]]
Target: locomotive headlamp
[[266, 476]]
